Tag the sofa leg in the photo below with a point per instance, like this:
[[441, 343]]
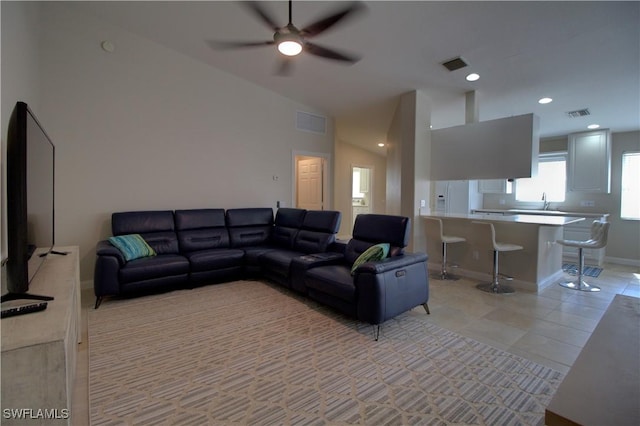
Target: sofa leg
[[376, 331], [426, 308], [98, 302]]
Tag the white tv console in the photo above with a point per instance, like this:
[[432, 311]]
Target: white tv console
[[39, 349]]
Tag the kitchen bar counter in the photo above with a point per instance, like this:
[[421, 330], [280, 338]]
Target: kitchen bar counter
[[515, 218], [535, 267], [553, 213]]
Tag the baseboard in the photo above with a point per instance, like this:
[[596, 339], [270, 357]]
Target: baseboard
[[622, 261]]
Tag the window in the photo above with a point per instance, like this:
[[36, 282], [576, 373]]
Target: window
[[630, 187], [551, 181]]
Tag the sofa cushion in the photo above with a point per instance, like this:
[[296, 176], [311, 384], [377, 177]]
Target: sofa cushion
[[379, 228], [203, 239], [278, 260], [132, 246], [373, 253], [162, 242], [142, 222], [258, 216], [249, 227], [318, 231], [322, 220], [334, 280], [146, 268], [206, 260], [201, 229], [287, 224], [199, 219]]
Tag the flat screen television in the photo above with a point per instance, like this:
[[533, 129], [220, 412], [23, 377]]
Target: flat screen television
[[30, 201]]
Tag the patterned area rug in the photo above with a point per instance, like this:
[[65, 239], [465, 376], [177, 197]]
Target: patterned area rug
[[589, 271], [247, 352]]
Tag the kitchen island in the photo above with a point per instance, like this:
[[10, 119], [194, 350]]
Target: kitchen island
[[535, 267]]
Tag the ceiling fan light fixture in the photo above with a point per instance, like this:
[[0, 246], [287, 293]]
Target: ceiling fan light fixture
[[290, 47], [289, 44]]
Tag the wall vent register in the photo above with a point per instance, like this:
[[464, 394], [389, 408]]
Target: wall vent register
[[308, 122]]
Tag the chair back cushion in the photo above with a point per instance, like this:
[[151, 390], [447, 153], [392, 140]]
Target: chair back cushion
[[249, 227], [318, 231], [156, 227], [201, 229], [371, 229], [287, 225], [599, 233]]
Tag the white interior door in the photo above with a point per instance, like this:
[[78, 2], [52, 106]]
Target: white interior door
[[309, 184]]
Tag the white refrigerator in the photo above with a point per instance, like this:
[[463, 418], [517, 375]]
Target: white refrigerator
[[457, 196]]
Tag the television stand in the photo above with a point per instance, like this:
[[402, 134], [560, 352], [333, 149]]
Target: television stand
[[39, 352], [23, 296]]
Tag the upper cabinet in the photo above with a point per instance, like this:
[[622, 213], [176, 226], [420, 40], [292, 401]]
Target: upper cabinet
[[494, 149], [494, 186], [589, 162]]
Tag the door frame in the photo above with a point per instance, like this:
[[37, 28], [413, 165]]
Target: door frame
[[327, 177], [371, 188]]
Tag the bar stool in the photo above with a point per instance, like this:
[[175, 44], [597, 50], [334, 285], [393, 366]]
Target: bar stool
[[494, 286], [445, 239], [599, 235]]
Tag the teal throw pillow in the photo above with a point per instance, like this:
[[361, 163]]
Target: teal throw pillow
[[373, 253], [132, 246]]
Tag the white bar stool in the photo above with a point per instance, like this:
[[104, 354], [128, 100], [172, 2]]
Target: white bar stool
[[445, 239], [599, 235], [494, 286]]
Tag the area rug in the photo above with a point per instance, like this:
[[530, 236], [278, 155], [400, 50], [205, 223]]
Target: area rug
[[589, 271], [249, 352]]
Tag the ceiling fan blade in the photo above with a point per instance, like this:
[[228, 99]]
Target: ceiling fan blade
[[221, 45], [284, 67], [326, 23], [324, 52], [255, 7]]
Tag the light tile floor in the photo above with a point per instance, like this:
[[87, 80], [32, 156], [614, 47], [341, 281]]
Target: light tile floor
[[549, 328]]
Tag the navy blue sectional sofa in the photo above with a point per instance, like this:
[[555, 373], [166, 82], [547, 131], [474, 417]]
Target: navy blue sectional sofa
[[296, 249]]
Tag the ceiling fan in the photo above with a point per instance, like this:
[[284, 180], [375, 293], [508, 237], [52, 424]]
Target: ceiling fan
[[291, 41]]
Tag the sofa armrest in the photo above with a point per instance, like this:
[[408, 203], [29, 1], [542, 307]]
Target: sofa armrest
[[391, 263], [392, 286], [105, 248]]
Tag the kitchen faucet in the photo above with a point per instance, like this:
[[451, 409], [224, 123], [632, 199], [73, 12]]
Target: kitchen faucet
[[545, 205]]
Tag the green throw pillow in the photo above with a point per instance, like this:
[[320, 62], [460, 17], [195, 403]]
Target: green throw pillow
[[373, 253], [132, 246]]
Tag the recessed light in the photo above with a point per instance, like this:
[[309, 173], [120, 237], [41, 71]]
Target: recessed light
[[545, 101], [473, 77], [381, 144], [593, 126]]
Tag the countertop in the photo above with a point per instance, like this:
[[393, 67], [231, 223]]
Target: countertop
[[541, 212], [548, 220]]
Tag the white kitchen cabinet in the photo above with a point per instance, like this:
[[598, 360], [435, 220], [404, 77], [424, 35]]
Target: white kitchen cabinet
[[494, 186], [364, 180], [589, 162]]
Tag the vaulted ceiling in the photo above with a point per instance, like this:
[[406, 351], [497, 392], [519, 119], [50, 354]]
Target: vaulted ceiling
[[584, 55]]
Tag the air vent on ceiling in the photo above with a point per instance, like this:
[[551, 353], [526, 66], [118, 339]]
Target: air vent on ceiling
[[578, 113], [308, 122], [454, 64]]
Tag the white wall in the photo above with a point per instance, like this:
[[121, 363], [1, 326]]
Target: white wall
[[408, 172], [346, 156], [148, 128], [19, 80]]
